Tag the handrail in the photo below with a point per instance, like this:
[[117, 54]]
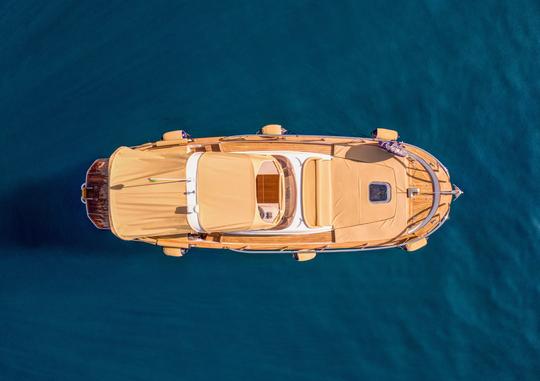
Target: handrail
[[436, 192], [316, 250], [246, 137]]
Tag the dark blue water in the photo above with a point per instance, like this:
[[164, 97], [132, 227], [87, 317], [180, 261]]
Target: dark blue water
[[460, 80]]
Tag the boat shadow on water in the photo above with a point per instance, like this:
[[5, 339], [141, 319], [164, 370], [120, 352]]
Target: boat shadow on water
[[47, 212]]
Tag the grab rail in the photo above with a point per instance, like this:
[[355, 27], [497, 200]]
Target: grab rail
[[316, 250], [436, 192]]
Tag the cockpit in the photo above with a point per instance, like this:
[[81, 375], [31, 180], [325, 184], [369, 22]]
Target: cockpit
[[232, 192]]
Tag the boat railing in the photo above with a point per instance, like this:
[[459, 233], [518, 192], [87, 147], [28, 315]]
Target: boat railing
[[317, 250]]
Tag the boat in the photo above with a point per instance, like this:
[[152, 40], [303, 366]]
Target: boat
[[271, 192]]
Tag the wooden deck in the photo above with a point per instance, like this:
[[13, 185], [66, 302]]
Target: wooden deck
[[421, 204], [267, 189]]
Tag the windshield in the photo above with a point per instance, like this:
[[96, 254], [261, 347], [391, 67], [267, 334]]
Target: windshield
[[290, 193]]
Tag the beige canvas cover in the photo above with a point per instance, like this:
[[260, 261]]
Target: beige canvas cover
[[226, 191], [317, 192], [140, 208], [355, 218]]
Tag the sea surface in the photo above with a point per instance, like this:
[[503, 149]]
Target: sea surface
[[460, 79]]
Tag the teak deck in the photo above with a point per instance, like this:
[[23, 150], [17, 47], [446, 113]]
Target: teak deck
[[267, 189]]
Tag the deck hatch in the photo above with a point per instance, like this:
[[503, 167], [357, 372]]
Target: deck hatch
[[379, 192]]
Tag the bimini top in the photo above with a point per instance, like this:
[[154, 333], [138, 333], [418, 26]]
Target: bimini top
[[139, 207], [227, 191]]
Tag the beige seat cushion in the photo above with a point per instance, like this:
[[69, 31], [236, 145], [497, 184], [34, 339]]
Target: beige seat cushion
[[226, 192], [317, 192]]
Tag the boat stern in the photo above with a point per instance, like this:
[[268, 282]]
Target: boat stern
[[95, 193]]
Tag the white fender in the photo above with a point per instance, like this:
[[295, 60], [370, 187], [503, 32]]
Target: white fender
[[384, 134], [174, 251], [304, 255], [415, 245], [174, 135], [272, 129]]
